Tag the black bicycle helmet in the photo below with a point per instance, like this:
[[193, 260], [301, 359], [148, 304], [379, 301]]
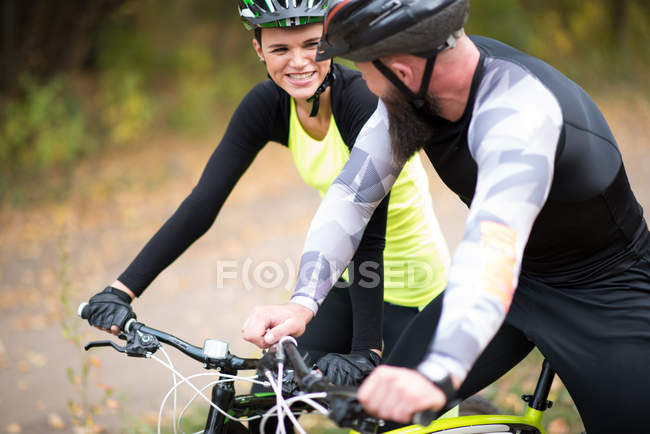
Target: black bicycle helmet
[[364, 30], [281, 13]]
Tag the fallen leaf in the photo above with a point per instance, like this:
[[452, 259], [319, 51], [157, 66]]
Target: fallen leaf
[[514, 402], [104, 387], [36, 322], [55, 421], [558, 426], [38, 360], [150, 417], [14, 428], [74, 408], [23, 366], [3, 355]]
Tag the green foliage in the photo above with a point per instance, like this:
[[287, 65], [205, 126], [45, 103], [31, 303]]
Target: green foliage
[[171, 66], [44, 127], [127, 110], [197, 89], [596, 42], [500, 19], [82, 409]]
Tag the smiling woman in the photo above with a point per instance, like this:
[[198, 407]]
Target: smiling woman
[[290, 57], [316, 110]]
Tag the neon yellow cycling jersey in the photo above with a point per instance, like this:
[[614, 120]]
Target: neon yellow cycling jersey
[[416, 255]]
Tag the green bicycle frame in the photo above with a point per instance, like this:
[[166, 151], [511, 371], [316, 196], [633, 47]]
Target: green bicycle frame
[[532, 418]]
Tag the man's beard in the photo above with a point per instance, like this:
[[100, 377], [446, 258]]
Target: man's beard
[[410, 129]]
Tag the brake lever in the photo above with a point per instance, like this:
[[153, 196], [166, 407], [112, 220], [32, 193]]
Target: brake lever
[[138, 344], [96, 344], [347, 412]]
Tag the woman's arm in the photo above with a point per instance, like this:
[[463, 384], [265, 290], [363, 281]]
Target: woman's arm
[[367, 284], [250, 128]]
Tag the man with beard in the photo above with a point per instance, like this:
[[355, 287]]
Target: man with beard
[[556, 252]]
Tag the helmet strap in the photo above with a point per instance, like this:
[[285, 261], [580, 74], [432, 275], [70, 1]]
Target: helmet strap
[[417, 100], [315, 98]]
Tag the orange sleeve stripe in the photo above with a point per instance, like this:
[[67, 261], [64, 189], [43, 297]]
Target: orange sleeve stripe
[[498, 252]]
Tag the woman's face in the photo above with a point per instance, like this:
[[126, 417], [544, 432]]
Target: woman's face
[[290, 56]]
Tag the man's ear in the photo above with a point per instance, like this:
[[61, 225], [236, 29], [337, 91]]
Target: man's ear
[[404, 72], [258, 49]]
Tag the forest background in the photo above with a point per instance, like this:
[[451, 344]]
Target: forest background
[[80, 77], [108, 111]]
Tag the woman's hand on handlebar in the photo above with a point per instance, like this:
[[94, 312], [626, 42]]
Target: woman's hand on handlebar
[[110, 309], [397, 394], [349, 369], [266, 325]]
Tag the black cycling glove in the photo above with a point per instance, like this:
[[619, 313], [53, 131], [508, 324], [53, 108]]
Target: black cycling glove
[[109, 307], [348, 369]]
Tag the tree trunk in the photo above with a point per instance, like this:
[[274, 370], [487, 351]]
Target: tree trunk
[[44, 37], [618, 10]]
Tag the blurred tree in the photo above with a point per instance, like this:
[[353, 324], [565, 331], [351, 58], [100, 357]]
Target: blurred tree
[[42, 37], [77, 76], [590, 41]]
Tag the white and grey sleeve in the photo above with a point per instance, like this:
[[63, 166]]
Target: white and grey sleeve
[[513, 139], [339, 223]]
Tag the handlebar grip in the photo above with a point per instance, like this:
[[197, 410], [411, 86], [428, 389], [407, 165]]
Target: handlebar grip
[[82, 310], [424, 417], [129, 324]]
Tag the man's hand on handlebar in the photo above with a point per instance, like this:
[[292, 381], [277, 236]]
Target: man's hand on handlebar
[[109, 309], [398, 393], [267, 324]]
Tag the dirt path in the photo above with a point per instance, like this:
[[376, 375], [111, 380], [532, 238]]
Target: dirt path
[[113, 208]]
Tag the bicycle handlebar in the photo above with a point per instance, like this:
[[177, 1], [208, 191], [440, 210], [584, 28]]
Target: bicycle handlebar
[[345, 408], [143, 340], [346, 395]]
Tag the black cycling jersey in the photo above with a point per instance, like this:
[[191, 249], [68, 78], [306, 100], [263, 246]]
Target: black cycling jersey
[[261, 117], [591, 213], [583, 295]]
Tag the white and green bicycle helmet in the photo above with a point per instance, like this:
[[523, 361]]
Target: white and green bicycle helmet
[[281, 13]]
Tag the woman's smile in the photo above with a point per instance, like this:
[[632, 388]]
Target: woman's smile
[[301, 78]]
